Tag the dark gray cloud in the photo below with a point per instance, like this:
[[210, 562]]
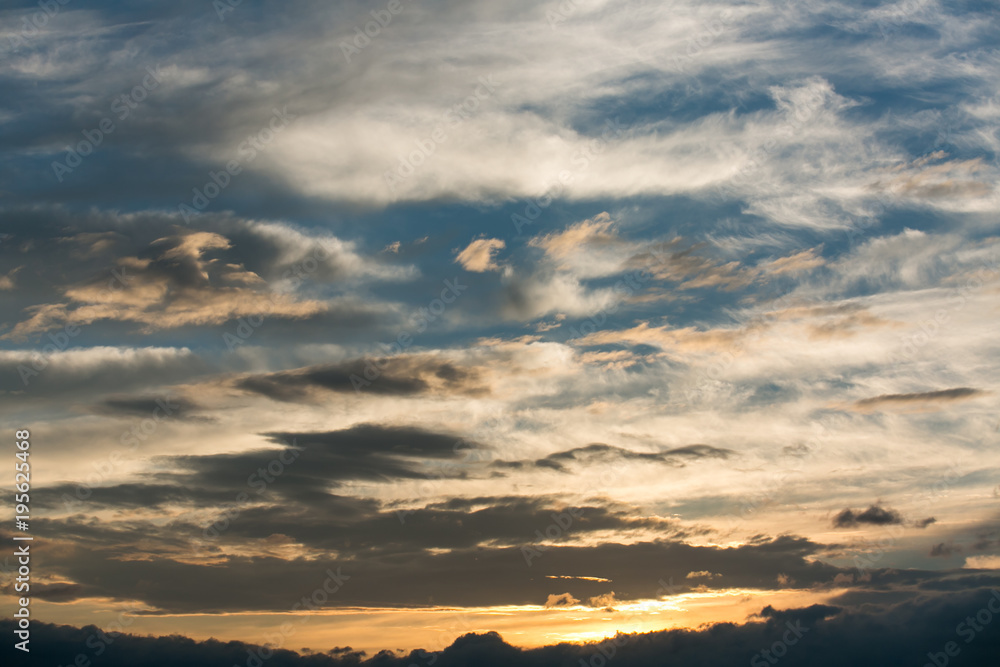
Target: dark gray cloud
[[312, 462], [876, 515], [503, 523], [943, 550], [56, 592], [128, 496], [143, 406], [943, 395], [394, 376], [597, 452], [342, 524]]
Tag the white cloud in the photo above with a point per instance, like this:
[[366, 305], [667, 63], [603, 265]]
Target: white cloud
[[480, 255]]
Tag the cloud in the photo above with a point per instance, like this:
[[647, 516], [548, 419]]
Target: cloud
[[598, 453], [90, 371], [7, 280], [983, 562], [150, 271], [123, 406], [805, 260], [875, 515], [607, 601], [942, 550], [177, 285], [479, 256], [402, 375], [664, 337], [561, 600], [319, 459], [940, 396], [952, 178], [54, 592], [587, 249]]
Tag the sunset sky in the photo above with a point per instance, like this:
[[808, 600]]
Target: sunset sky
[[395, 321]]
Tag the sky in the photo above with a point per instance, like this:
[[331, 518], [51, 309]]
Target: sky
[[454, 332]]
